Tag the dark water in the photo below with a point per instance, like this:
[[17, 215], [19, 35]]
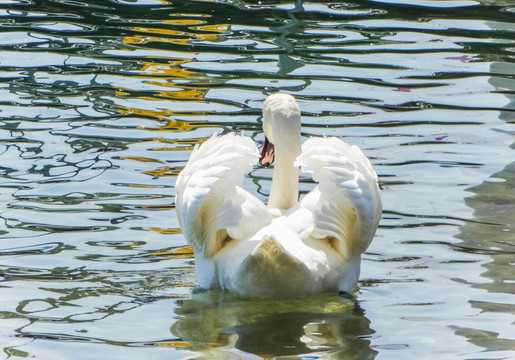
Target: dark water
[[101, 103]]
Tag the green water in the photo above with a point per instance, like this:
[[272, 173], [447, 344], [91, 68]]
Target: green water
[[101, 103]]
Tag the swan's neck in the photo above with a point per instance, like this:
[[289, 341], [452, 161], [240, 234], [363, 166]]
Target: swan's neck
[[285, 182]]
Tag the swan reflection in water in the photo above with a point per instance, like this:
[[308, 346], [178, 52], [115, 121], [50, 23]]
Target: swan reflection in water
[[216, 322]]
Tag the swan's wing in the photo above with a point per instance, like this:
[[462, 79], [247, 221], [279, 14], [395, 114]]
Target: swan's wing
[[346, 204], [211, 206]]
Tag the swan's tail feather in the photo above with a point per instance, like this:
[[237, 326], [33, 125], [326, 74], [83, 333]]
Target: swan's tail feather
[[266, 272]]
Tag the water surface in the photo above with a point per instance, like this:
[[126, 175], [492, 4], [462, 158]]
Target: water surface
[[102, 102]]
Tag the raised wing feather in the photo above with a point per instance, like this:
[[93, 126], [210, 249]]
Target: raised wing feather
[[211, 206], [346, 204]]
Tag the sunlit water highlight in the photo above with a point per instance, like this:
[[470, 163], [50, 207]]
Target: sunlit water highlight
[[102, 102]]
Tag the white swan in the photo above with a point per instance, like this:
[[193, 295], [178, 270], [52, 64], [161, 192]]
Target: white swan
[[290, 248]]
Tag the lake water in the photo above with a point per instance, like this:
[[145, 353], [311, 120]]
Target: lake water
[[101, 103]]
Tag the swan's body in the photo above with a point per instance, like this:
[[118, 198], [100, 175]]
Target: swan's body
[[288, 248]]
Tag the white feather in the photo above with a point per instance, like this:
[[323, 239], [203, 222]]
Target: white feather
[[348, 205], [209, 197]]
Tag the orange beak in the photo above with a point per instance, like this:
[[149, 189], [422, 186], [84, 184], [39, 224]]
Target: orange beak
[[267, 153]]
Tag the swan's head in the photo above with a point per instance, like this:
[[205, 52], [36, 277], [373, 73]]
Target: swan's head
[[281, 124]]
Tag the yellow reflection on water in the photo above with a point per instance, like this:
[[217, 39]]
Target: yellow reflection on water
[[165, 231], [182, 252], [175, 344], [184, 94], [169, 69], [215, 32], [139, 186], [163, 171], [220, 28], [138, 158], [169, 124], [184, 21]]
